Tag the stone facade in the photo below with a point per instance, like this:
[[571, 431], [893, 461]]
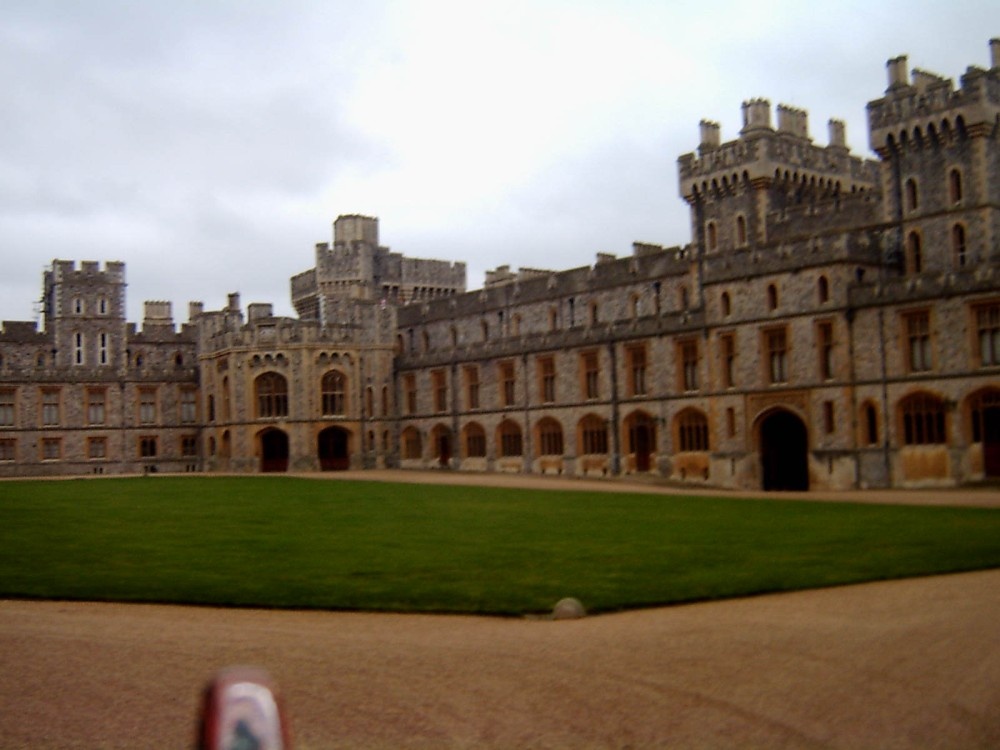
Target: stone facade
[[833, 323]]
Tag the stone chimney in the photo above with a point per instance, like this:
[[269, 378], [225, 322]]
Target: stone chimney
[[898, 72], [711, 136]]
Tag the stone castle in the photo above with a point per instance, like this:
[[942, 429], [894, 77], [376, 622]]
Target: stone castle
[[833, 323]]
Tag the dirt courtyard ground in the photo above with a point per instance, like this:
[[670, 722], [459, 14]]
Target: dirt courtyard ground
[[906, 664]]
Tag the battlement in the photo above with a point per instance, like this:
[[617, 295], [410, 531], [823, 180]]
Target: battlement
[[762, 154], [351, 228], [66, 270], [921, 106]]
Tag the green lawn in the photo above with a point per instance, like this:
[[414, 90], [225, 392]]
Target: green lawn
[[286, 542]]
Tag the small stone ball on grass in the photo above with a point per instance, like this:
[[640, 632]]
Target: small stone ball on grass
[[568, 609]]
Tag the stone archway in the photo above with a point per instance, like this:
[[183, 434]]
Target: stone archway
[[784, 451], [441, 440], [273, 451], [334, 449]]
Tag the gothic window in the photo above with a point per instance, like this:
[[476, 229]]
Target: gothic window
[[914, 254], [475, 441], [823, 289], [958, 245], [712, 236], [918, 340], [591, 375], [8, 407], [593, 435], [410, 392], [988, 334], [727, 357], [923, 418], [439, 384], [550, 438], [547, 379], [272, 395], [824, 347], [636, 362], [955, 186], [147, 406], [508, 382], [776, 346], [472, 387], [333, 389], [911, 197], [510, 441], [50, 406], [692, 431], [688, 357]]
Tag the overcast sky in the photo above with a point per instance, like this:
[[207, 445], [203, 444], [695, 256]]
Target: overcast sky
[[210, 145]]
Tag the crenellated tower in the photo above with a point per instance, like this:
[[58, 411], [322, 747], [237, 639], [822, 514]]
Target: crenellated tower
[[940, 169], [742, 191]]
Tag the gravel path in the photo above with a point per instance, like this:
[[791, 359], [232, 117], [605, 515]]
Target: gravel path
[[906, 664]]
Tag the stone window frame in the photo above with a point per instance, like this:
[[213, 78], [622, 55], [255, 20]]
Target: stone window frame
[[825, 347], [550, 437], [474, 440], [8, 449], [727, 359], [97, 405], [691, 430], [590, 374], [593, 435], [637, 368], [334, 395], [50, 406], [985, 326], [51, 449], [688, 364], [546, 365], [507, 382], [775, 346], [271, 395], [917, 340], [510, 439], [97, 448], [923, 419], [470, 375], [439, 387], [146, 405]]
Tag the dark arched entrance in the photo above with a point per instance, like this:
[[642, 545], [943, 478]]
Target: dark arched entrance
[[273, 451], [641, 439], [334, 449], [784, 452]]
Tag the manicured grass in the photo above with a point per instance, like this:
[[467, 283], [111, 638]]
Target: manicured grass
[[286, 542]]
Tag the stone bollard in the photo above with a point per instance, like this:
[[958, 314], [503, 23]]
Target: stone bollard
[[568, 609]]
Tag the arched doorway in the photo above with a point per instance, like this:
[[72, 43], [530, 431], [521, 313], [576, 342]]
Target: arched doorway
[[784, 451], [984, 413], [273, 451], [641, 432], [441, 437], [334, 447]]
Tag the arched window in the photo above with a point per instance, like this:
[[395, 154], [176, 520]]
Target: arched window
[[692, 431], [869, 424], [510, 441], [914, 254], [923, 416], [593, 435], [912, 199], [741, 231], [474, 440], [550, 437], [955, 186], [334, 390], [272, 395], [958, 245], [712, 235], [726, 305], [823, 289], [412, 443], [772, 297]]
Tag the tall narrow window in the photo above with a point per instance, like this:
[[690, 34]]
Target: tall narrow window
[[439, 383], [988, 334], [776, 345], [547, 379], [147, 405], [912, 199], [593, 435], [828, 417], [731, 422], [508, 383], [741, 231], [725, 304], [8, 407], [472, 387], [50, 407], [772, 297], [333, 390], [78, 357], [475, 441], [96, 405], [727, 359], [712, 235], [591, 375], [918, 341], [914, 254], [958, 245], [410, 392], [955, 186], [688, 351], [870, 421], [636, 362], [511, 443], [824, 347], [102, 348], [189, 405], [550, 438], [823, 289]]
